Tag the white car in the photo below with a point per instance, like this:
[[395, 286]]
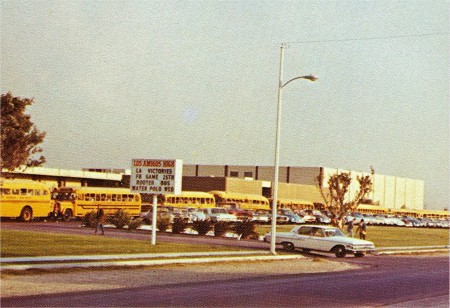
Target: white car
[[195, 214], [216, 214], [321, 238]]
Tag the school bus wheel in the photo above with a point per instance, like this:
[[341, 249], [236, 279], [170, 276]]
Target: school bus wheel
[[67, 215], [26, 214]]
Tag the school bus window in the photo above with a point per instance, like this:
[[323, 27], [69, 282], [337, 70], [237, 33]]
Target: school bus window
[[136, 198], [81, 197], [130, 197], [108, 197], [97, 197], [6, 191], [103, 197]]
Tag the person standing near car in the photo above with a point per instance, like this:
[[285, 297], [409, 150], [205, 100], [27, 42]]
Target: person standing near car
[[100, 216], [362, 229], [350, 225]]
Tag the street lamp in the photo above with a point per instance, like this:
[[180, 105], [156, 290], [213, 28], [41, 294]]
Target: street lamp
[[281, 85]]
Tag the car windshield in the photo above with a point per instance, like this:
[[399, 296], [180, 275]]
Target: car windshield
[[333, 232], [219, 211]]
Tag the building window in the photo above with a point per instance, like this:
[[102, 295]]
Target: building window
[[248, 174], [234, 174]]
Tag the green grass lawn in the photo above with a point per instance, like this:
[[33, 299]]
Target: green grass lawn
[[24, 243], [390, 236]]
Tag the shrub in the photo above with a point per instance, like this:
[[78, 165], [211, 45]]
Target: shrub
[[179, 225], [135, 223], [163, 224], [202, 226], [246, 229], [220, 228], [120, 219], [89, 219]]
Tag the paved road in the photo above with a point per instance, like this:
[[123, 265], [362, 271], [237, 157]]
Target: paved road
[[400, 281]]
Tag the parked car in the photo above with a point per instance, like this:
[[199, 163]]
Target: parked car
[[321, 238], [394, 221], [261, 216], [322, 219], [168, 212], [235, 209], [241, 215], [308, 218], [195, 214], [216, 214], [292, 217]]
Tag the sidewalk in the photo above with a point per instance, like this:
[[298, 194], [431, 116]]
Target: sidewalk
[[56, 262]]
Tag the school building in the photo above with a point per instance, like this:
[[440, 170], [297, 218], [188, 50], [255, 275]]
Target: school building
[[299, 183]]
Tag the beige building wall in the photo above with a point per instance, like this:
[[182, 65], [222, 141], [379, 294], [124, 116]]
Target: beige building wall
[[189, 170], [304, 175], [265, 173], [211, 170], [389, 192], [378, 192], [302, 192], [244, 186], [400, 192]]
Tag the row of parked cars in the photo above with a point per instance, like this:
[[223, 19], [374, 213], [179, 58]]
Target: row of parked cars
[[216, 214], [288, 216], [400, 221]]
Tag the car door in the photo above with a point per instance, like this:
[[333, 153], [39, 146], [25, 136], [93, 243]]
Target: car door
[[316, 240], [302, 238]]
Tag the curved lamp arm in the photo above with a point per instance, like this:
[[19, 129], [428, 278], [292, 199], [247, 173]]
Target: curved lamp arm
[[309, 77]]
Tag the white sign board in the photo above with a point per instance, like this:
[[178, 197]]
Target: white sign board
[[156, 176]]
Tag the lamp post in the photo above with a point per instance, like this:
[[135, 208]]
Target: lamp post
[[281, 85]]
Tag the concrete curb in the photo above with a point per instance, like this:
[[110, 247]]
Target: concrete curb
[[193, 260], [409, 250], [129, 256]]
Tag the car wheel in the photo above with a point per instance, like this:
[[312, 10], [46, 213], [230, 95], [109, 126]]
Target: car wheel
[[359, 254], [26, 214], [67, 215], [339, 251], [288, 246]]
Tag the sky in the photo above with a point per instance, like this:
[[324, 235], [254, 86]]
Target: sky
[[198, 80]]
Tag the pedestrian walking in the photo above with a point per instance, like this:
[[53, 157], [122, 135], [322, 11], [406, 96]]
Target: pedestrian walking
[[362, 229], [341, 222], [334, 221], [100, 217], [350, 225]]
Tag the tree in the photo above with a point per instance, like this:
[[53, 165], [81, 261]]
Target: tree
[[20, 137], [338, 187]]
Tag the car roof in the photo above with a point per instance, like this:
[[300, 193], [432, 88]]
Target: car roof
[[318, 226]]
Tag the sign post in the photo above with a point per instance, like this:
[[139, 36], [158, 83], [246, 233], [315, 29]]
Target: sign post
[[156, 177]]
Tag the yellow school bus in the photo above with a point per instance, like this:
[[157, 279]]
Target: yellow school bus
[[24, 199], [192, 199], [78, 201], [294, 204], [245, 201]]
